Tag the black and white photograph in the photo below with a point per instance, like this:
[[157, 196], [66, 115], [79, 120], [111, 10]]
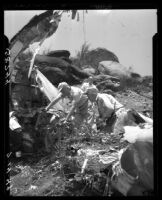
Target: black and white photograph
[[80, 102]]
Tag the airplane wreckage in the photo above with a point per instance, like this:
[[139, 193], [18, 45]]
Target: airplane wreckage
[[33, 83]]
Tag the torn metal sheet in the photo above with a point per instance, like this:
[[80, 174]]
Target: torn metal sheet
[[47, 88]]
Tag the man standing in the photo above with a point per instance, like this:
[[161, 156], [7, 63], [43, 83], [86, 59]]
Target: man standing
[[88, 84], [79, 102]]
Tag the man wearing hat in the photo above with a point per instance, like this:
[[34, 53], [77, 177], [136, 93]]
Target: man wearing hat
[[79, 102], [111, 111], [87, 84]]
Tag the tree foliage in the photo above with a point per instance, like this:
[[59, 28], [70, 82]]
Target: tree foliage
[[92, 57]]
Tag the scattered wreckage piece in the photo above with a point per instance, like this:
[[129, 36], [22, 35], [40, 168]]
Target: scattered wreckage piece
[[108, 170], [47, 88], [44, 133], [38, 29], [130, 170], [136, 162], [21, 137], [35, 30]]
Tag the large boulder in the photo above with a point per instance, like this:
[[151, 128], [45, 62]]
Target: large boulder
[[106, 82], [89, 70], [56, 75], [52, 61], [54, 68], [61, 70], [63, 54], [114, 69], [147, 80]]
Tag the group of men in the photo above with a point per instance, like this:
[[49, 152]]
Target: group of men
[[110, 110]]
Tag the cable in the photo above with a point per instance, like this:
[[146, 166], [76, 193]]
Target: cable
[[84, 30]]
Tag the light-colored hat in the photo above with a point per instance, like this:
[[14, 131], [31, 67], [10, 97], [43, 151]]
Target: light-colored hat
[[11, 113], [62, 86], [92, 91], [90, 78]]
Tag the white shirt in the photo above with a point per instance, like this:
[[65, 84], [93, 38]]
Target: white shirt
[[13, 123], [76, 94], [107, 104]]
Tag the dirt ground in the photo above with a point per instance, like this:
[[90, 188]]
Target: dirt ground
[[54, 174], [140, 102]]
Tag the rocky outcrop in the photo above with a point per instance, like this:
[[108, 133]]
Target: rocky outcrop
[[59, 53], [147, 81], [114, 69], [55, 69], [63, 54], [58, 70], [89, 70], [105, 83]]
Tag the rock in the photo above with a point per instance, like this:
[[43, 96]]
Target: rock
[[115, 69], [66, 59], [50, 61], [103, 77], [63, 54], [15, 141], [27, 142], [106, 82], [150, 84], [59, 53], [30, 94], [89, 70], [60, 70], [108, 85], [147, 80], [55, 69], [135, 75], [109, 92]]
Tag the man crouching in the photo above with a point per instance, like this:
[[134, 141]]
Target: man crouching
[[79, 102], [112, 112]]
